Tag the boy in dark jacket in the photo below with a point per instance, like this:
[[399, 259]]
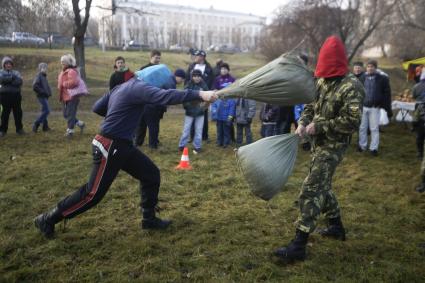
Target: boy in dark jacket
[[245, 112], [121, 74], [10, 96], [194, 114], [269, 116], [43, 91]]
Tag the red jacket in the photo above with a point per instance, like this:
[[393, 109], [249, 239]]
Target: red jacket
[[67, 79]]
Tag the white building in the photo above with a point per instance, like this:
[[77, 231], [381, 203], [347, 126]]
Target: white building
[[161, 25]]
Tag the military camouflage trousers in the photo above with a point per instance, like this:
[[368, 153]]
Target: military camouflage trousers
[[316, 194]]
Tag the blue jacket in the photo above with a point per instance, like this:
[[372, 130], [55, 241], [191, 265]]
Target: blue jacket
[[122, 106], [221, 109]]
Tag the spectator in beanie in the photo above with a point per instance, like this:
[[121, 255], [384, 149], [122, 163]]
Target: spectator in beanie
[[358, 70], [68, 79], [10, 96], [245, 112], [377, 95], [121, 74], [202, 64], [42, 88], [194, 114]]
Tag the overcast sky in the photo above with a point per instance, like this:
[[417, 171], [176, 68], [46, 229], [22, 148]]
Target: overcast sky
[[257, 7]]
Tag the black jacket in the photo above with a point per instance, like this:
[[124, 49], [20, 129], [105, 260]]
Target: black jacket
[[382, 97], [10, 82], [207, 76], [41, 86], [119, 77]]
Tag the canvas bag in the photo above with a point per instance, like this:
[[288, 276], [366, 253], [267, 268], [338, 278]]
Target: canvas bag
[[285, 81], [80, 89], [267, 163], [383, 118]]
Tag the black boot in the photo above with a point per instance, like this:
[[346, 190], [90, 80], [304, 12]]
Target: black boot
[[334, 230], [150, 221], [46, 222], [421, 188], [35, 127], [295, 251], [46, 127]]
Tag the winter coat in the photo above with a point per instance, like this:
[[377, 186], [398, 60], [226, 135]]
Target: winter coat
[[119, 77], [223, 81], [195, 108], [221, 109], [41, 86], [67, 79], [382, 93], [269, 113], [418, 91], [10, 81], [207, 76], [245, 110]]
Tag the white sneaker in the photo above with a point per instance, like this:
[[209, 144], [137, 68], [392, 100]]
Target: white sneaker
[[81, 125], [69, 133]]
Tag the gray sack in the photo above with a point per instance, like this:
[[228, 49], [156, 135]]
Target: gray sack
[[267, 164]]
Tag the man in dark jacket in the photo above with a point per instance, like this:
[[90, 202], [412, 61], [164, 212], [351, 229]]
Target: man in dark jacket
[[113, 150], [152, 114], [10, 96], [378, 95], [42, 89], [358, 70], [207, 76]]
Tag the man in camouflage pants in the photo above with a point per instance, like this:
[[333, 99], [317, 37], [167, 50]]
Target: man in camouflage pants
[[329, 120]]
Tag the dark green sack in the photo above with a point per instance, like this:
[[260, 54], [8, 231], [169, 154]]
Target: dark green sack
[[267, 164], [284, 81]]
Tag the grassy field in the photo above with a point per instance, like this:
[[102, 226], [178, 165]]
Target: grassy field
[[221, 233]]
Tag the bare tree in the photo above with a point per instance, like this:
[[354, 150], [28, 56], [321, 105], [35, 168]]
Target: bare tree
[[80, 27], [353, 21]]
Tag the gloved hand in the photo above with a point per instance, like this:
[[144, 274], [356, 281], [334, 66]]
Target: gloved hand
[[249, 120], [230, 118]]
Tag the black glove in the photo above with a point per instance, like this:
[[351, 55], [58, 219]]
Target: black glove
[[249, 120]]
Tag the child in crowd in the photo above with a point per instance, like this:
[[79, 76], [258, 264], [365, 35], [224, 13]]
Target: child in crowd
[[245, 111], [224, 111], [269, 115], [42, 88], [194, 114], [121, 74]]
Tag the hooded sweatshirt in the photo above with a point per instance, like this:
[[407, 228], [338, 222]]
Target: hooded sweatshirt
[[10, 81], [332, 61]]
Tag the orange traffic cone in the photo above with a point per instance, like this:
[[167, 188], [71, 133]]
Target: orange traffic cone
[[184, 162]]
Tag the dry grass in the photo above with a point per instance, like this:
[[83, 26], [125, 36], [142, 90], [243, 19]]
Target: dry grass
[[221, 233]]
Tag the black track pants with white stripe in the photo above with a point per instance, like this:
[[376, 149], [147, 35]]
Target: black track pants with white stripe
[[110, 156]]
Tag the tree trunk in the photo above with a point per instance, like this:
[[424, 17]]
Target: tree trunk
[[80, 55]]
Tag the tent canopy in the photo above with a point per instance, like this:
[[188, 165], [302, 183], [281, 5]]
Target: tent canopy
[[416, 62]]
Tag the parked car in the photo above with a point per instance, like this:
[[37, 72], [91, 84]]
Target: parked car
[[55, 38], [134, 45], [5, 39], [88, 41], [26, 37], [178, 47], [227, 49]]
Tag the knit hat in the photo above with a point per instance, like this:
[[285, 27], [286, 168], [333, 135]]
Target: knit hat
[[226, 66], [332, 61], [196, 72], [180, 73], [5, 60]]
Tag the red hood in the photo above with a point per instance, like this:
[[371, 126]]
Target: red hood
[[332, 61]]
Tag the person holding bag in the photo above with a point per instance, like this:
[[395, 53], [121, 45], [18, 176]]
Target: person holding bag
[[71, 87]]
